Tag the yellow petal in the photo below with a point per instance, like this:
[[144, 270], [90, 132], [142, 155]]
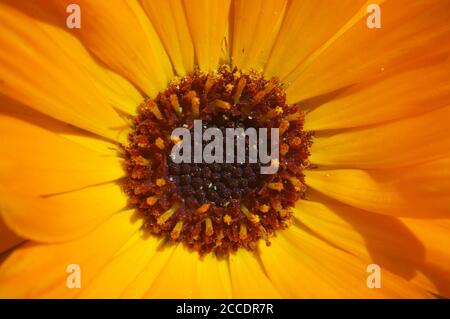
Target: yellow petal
[[255, 28], [34, 160], [36, 71], [40, 271], [409, 93], [208, 23], [418, 191], [306, 26], [400, 143], [60, 217], [14, 109], [301, 265], [187, 275], [379, 239], [169, 20], [248, 278], [356, 53], [124, 267], [144, 280], [121, 36]]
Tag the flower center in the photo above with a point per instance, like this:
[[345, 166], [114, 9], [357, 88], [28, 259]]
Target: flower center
[[205, 185]]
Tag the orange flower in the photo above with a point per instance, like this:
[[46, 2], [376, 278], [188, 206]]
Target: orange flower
[[377, 100]]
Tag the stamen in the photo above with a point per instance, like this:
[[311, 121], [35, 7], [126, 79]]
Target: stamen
[[284, 126], [195, 103], [176, 231], [267, 89], [252, 217], [204, 208], [176, 104], [209, 231], [155, 110], [240, 87], [221, 104], [211, 80], [164, 217], [243, 231]]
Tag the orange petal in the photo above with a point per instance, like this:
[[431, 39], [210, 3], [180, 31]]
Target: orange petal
[[187, 275], [169, 20], [404, 142], [306, 26], [120, 35], [144, 280], [256, 26], [208, 23], [418, 191], [60, 217], [356, 53], [34, 160], [19, 111], [248, 279], [301, 265], [37, 72], [389, 98], [40, 271], [379, 239], [123, 268]]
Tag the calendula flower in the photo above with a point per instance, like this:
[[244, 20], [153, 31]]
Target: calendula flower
[[358, 205]]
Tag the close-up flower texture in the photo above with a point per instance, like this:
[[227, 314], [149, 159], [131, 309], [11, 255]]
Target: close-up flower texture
[[91, 92]]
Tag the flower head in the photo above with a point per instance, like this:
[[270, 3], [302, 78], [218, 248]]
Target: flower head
[[87, 177]]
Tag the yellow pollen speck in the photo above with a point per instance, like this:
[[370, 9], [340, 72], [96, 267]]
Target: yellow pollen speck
[[227, 219], [264, 208], [229, 87], [160, 182], [160, 143]]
